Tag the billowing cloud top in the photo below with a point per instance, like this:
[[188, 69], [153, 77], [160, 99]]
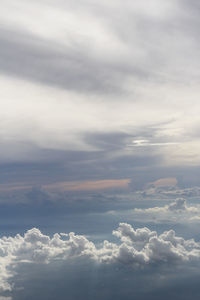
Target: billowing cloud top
[[137, 248], [179, 205]]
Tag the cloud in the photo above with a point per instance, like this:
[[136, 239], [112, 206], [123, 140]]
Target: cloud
[[138, 248], [163, 182], [70, 186], [108, 78], [195, 218], [167, 192], [88, 185], [68, 53], [178, 206]]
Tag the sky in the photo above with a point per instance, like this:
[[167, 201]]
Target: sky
[[99, 149]]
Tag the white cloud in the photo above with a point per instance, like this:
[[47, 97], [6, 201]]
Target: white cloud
[[178, 206], [137, 248], [195, 218]]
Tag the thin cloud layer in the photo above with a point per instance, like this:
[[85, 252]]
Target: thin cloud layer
[[70, 186], [88, 185]]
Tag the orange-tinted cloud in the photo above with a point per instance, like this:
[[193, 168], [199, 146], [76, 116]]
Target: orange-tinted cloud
[[70, 185], [87, 185], [170, 181]]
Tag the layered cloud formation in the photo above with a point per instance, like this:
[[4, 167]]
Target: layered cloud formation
[[98, 95], [137, 248], [90, 72]]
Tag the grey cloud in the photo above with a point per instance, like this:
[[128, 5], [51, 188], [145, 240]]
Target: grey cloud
[[82, 68], [112, 159], [187, 192], [31, 58], [178, 205]]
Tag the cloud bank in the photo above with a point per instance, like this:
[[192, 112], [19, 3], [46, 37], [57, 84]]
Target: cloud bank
[[137, 248], [178, 206]]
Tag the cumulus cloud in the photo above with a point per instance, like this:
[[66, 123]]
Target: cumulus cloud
[[137, 248], [178, 206]]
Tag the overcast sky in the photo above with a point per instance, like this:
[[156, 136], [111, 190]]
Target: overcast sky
[[99, 126]]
